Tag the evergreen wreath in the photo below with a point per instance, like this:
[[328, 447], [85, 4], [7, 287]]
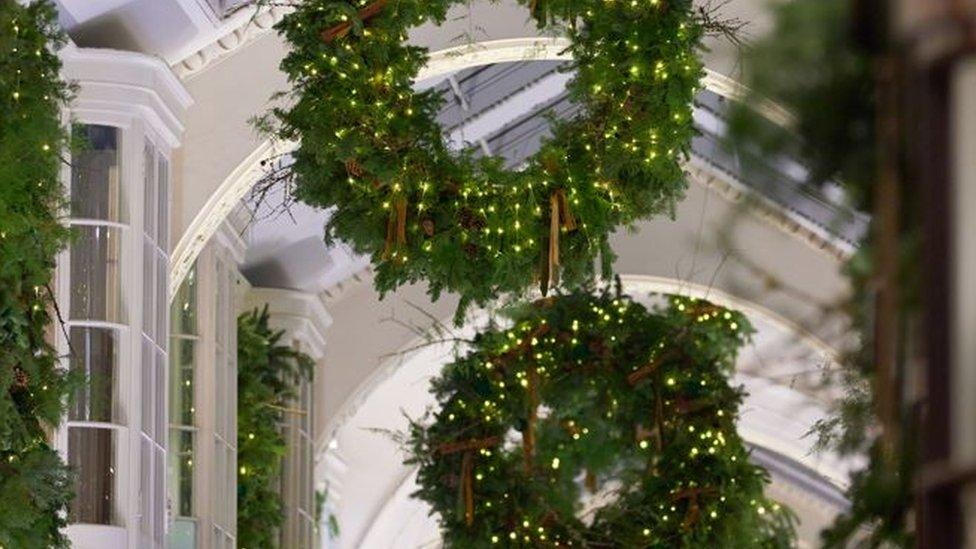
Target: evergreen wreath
[[35, 487], [596, 399], [370, 146]]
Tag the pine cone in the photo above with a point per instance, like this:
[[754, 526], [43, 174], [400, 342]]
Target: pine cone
[[21, 379], [471, 250], [470, 220], [428, 226], [353, 168]]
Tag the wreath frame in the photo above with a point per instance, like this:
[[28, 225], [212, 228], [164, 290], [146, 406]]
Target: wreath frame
[[603, 392], [370, 147]]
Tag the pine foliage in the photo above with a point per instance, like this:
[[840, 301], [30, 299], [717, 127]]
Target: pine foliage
[[268, 372], [34, 482]]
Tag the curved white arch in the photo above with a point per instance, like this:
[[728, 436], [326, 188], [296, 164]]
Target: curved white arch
[[775, 417], [441, 63]]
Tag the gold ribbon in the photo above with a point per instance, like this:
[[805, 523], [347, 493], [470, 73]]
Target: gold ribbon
[[396, 227], [559, 216], [342, 29], [467, 468], [467, 487]]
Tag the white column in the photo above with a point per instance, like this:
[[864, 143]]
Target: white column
[[304, 319]]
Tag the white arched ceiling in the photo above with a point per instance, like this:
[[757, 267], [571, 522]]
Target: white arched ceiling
[[221, 157], [373, 488]]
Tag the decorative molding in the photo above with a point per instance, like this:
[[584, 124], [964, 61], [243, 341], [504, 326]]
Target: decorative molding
[[135, 84], [253, 24], [303, 316]]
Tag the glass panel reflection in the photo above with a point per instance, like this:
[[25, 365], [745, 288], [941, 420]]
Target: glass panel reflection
[[181, 463], [94, 354], [96, 284], [91, 455], [96, 191]]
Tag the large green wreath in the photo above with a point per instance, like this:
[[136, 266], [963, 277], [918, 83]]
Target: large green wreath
[[370, 146], [597, 394]]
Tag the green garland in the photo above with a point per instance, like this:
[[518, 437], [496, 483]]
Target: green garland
[[34, 483], [267, 375], [370, 146], [597, 394], [811, 63]]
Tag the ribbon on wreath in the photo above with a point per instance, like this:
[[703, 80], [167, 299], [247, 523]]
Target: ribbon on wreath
[[467, 468]]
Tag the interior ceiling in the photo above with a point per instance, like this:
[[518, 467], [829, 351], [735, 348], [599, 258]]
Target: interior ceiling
[[504, 110], [170, 29]]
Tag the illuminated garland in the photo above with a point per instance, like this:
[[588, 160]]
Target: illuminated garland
[[34, 483], [267, 373], [370, 146], [595, 397]]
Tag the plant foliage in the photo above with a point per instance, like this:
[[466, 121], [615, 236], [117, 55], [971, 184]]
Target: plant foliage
[[268, 372], [813, 64], [34, 483], [597, 399], [370, 146]]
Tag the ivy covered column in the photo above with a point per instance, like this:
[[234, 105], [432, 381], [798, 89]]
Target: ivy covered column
[[292, 325]]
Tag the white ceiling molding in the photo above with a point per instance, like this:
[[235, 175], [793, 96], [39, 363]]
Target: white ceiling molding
[[303, 316], [236, 185], [251, 24], [126, 82]]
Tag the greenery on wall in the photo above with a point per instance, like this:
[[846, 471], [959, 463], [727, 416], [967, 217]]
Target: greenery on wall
[[592, 421], [370, 146], [268, 372], [816, 64], [34, 483]]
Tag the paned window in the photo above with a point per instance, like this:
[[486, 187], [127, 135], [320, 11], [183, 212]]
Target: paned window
[[96, 317]]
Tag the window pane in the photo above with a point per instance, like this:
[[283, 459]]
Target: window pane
[[145, 490], [230, 505], [159, 497], [149, 289], [219, 493], [163, 238], [94, 353], [148, 393], [149, 190], [160, 398], [162, 299], [96, 191], [91, 454], [183, 534], [182, 360], [96, 287], [181, 463], [184, 313], [220, 423]]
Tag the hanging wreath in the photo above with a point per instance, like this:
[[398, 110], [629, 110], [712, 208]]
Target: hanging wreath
[[594, 422], [371, 149]]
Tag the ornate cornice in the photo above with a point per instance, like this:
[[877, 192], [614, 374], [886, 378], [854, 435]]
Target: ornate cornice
[[253, 23]]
